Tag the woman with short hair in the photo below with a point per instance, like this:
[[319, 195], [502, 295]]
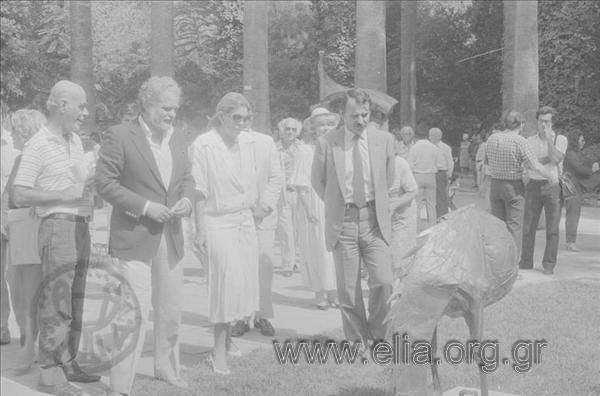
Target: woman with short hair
[[26, 279], [224, 168]]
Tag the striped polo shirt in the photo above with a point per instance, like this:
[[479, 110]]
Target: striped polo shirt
[[506, 154], [53, 163]]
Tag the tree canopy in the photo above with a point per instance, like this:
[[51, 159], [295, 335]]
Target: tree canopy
[[455, 91]]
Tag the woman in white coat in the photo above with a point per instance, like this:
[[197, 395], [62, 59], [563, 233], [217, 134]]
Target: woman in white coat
[[224, 169]]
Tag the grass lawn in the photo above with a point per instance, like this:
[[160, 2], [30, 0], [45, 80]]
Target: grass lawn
[[566, 314]]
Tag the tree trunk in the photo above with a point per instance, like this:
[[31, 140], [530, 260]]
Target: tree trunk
[[162, 39], [370, 71], [408, 80], [82, 68], [520, 90], [256, 62]]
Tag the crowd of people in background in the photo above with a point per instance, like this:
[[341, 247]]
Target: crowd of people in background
[[339, 193]]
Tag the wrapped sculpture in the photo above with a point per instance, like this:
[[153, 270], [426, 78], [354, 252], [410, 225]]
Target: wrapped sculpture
[[462, 265]]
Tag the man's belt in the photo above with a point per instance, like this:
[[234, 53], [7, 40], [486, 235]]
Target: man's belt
[[352, 205], [290, 189], [68, 217]]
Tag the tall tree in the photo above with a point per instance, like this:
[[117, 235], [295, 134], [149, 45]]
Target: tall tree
[[256, 61], [82, 67], [520, 79], [569, 57], [162, 38], [370, 71], [408, 54]]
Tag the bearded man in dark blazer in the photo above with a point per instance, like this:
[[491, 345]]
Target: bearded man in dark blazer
[[144, 172]]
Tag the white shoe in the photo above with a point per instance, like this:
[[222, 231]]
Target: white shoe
[[572, 247]]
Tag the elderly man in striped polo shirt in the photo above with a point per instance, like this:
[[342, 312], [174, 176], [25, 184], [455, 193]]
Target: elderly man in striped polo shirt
[[54, 176], [507, 152]]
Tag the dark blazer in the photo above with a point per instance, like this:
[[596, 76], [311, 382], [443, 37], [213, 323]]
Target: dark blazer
[[328, 179], [128, 176]]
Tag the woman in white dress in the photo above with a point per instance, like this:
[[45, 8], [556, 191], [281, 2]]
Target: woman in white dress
[[404, 214], [25, 278], [316, 263], [225, 173]]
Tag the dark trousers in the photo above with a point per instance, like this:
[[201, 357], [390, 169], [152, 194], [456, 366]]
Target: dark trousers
[[573, 213], [540, 194], [361, 239], [441, 193], [4, 302], [64, 251], [507, 203]]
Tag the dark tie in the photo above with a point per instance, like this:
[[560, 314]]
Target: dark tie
[[358, 181]]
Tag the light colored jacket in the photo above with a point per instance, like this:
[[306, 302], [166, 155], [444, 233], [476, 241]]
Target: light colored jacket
[[269, 176], [328, 179]]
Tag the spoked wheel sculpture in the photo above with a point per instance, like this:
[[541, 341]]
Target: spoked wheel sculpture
[[462, 265]]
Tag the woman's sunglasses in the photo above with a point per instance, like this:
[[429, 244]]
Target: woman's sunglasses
[[238, 118]]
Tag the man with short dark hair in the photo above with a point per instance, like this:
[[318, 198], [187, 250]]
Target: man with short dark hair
[[549, 148], [507, 152], [353, 174]]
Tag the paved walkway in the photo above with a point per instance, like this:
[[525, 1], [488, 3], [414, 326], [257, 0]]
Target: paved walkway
[[295, 312]]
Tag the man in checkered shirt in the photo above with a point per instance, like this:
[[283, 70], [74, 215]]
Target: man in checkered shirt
[[507, 153]]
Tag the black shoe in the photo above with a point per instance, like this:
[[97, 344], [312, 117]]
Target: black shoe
[[265, 327], [239, 328], [548, 272], [75, 374], [4, 336]]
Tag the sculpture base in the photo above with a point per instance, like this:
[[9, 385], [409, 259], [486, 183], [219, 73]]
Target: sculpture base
[[463, 391]]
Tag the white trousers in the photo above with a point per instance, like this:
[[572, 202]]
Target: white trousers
[[266, 248], [286, 229], [158, 282]]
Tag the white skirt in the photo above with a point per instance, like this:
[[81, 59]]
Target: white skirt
[[232, 253]]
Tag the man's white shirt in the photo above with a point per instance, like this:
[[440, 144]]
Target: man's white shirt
[[539, 148]]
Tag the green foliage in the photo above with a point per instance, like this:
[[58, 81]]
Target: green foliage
[[458, 96], [35, 51], [569, 40], [294, 84], [454, 95], [334, 31], [209, 51]]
